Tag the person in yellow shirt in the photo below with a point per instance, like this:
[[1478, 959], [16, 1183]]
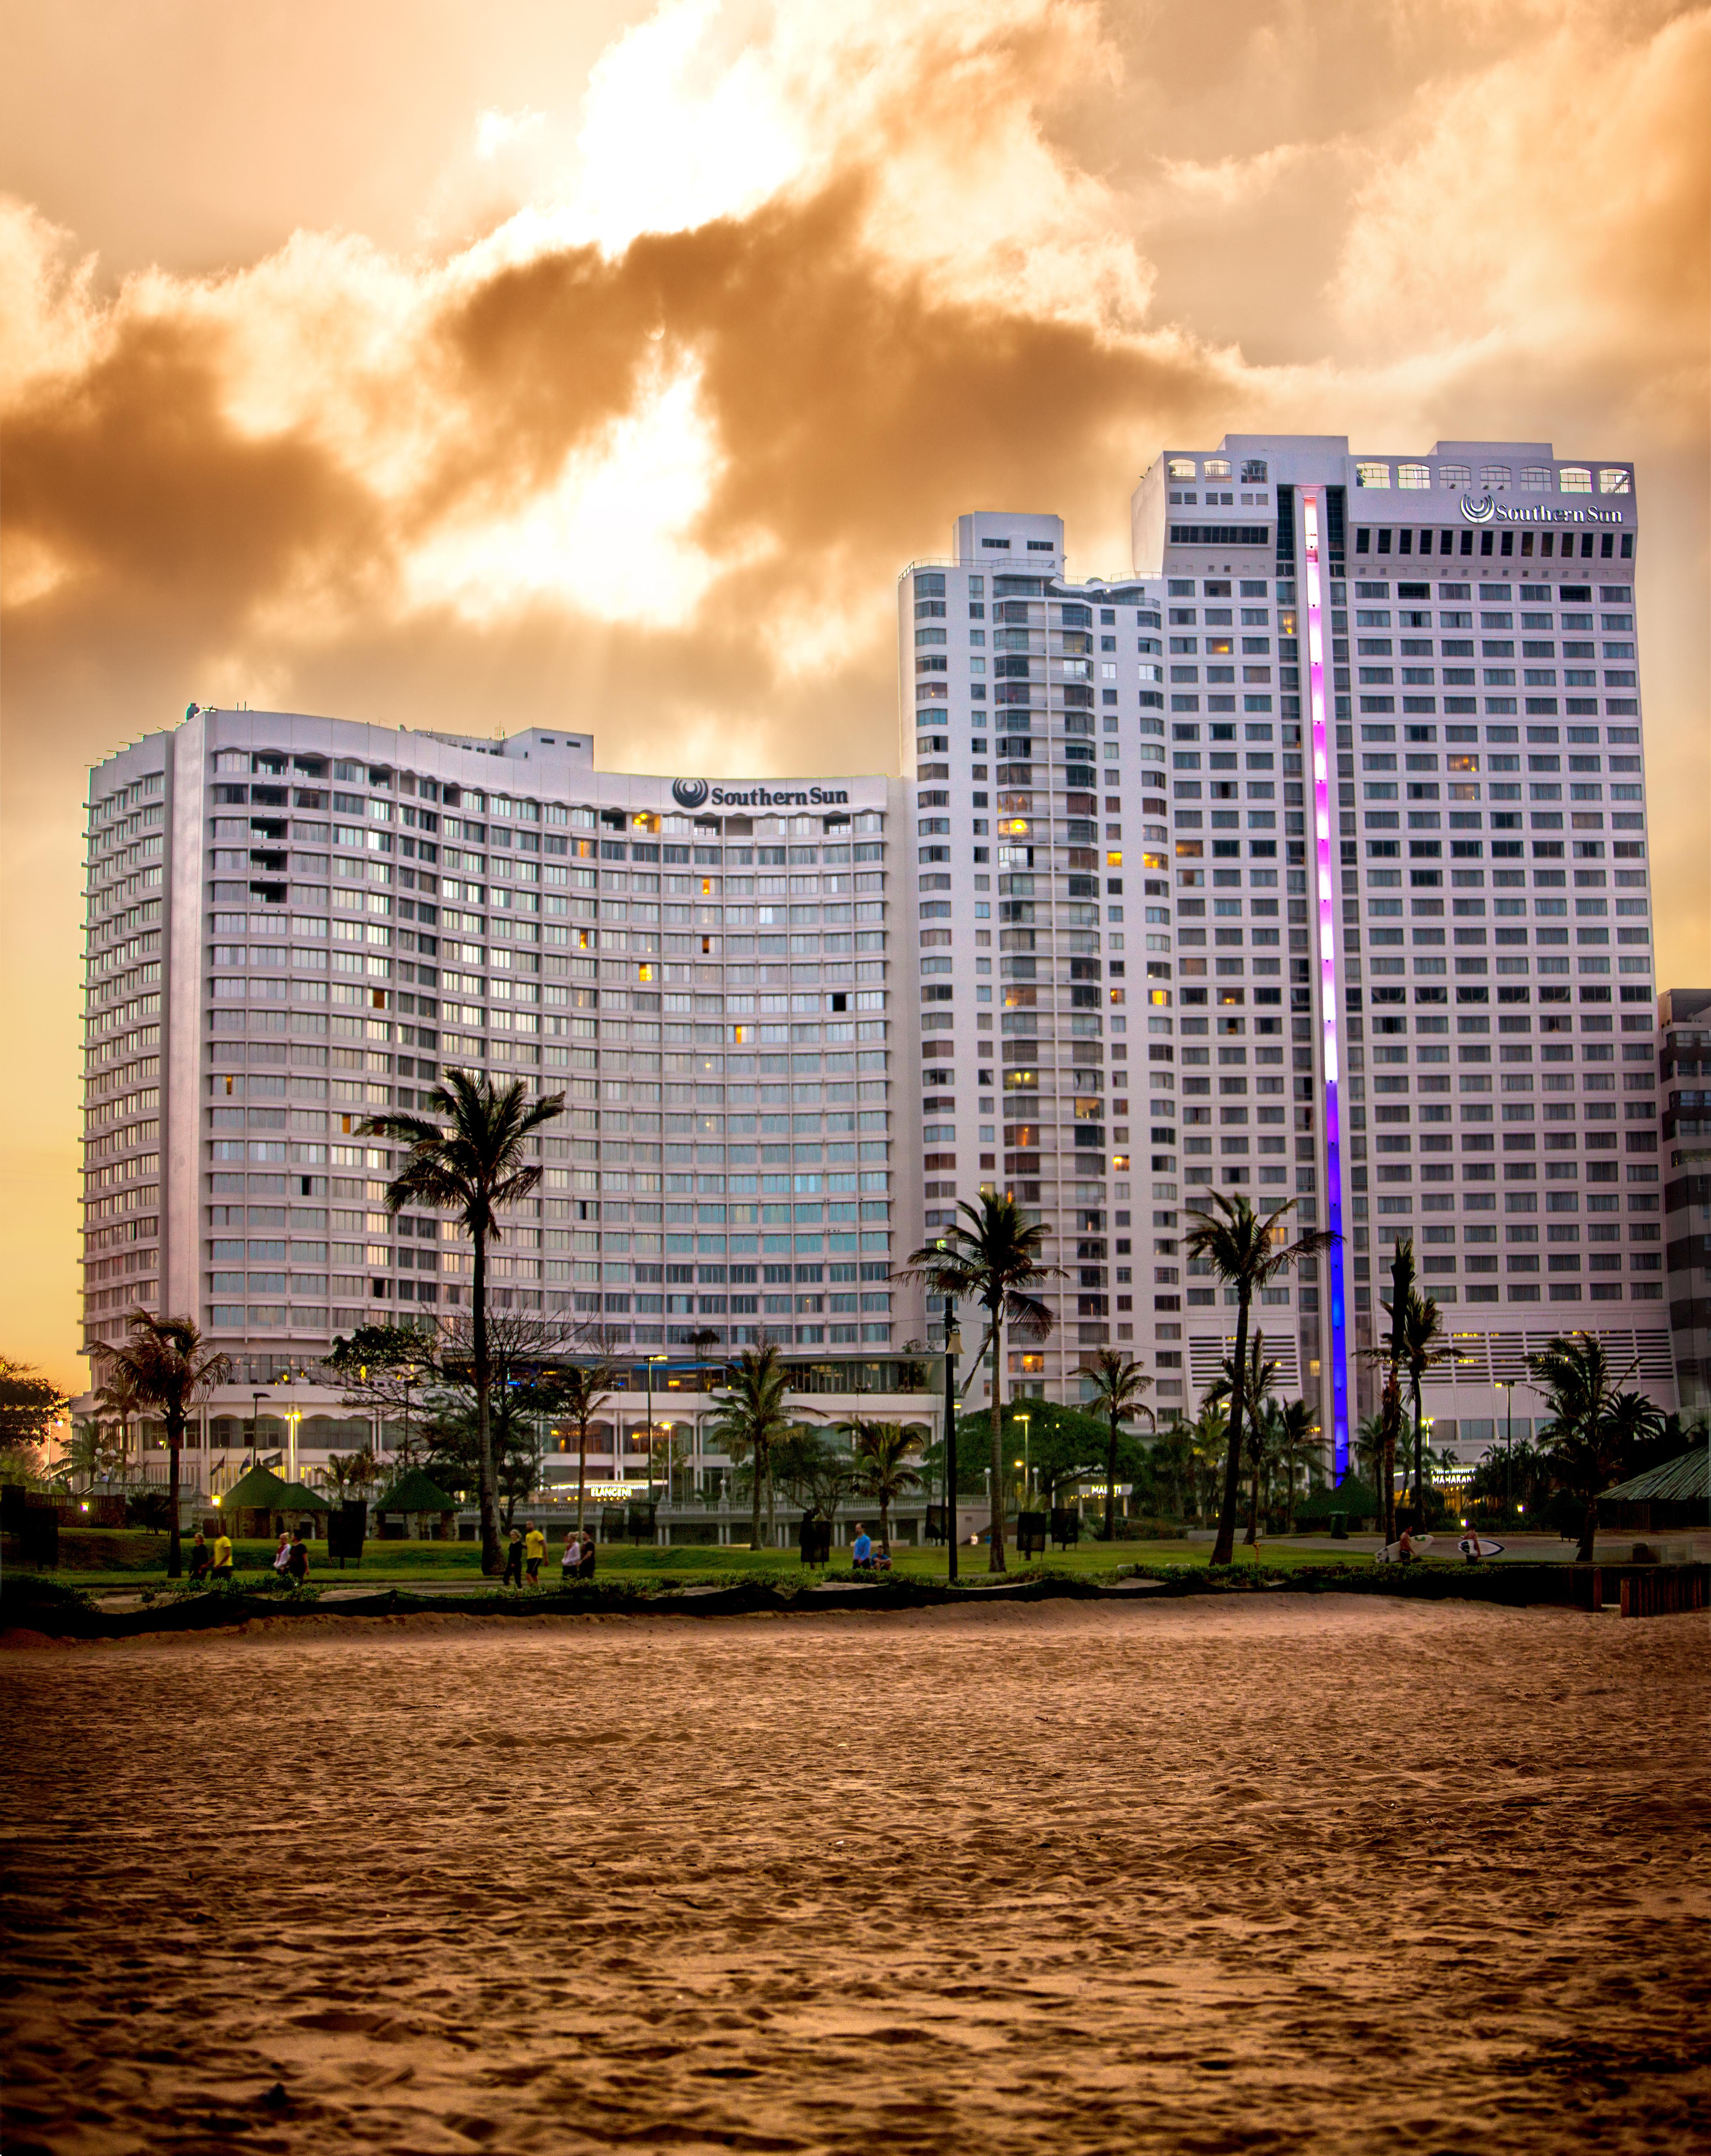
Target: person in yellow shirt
[[533, 1550], [222, 1555]]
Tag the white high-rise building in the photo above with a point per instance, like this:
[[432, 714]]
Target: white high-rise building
[[295, 921], [1353, 882]]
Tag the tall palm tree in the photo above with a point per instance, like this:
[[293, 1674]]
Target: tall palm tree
[[1211, 1439], [471, 1169], [116, 1399], [167, 1369], [1259, 1382], [1391, 1357], [753, 1417], [992, 1257], [885, 1469], [1368, 1447], [1424, 1348], [1596, 1426], [1118, 1385], [582, 1389], [1246, 1253]]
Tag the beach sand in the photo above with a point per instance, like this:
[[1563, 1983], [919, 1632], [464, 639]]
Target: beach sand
[[1255, 1873]]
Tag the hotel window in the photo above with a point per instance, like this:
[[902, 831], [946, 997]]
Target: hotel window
[[1216, 467], [1574, 479], [1253, 472], [1616, 482], [1537, 478], [1179, 468], [1455, 476], [1494, 478], [1367, 474], [1414, 476]]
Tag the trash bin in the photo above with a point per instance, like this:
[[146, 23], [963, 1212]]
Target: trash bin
[[1339, 1526]]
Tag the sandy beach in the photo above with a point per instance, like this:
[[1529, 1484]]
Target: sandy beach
[[1245, 1874]]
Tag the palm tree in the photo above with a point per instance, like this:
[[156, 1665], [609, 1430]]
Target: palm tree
[[471, 1169], [1423, 1349], [1174, 1452], [1391, 1357], [1297, 1429], [1596, 1427], [117, 1399], [1368, 1447], [583, 1388], [754, 1418], [885, 1469], [993, 1259], [164, 1364], [1246, 1253], [1210, 1439], [1258, 1382], [1117, 1385]]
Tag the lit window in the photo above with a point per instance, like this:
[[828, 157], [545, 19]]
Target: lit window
[[1367, 474], [644, 971], [1576, 479], [1537, 478], [1616, 482], [1455, 476], [1216, 467], [1180, 468], [1414, 476], [1114, 860], [1494, 478]]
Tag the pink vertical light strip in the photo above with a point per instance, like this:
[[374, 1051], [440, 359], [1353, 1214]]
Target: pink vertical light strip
[[1310, 499]]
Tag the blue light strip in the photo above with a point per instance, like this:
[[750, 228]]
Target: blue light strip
[[1309, 499]]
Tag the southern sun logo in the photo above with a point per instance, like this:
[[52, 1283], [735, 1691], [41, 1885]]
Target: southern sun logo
[[1479, 512], [689, 793]]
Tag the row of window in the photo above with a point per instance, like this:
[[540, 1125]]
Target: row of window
[[1495, 478]]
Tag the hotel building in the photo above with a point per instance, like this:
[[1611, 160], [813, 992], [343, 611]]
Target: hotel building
[[294, 922], [1308, 860]]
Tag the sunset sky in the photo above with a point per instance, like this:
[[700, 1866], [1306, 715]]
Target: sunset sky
[[478, 366]]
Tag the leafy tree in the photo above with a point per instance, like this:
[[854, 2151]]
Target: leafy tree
[[1597, 1429], [813, 1470], [1118, 1384], [1173, 1455], [1211, 1446], [1246, 1253], [387, 1369], [992, 1257], [753, 1417], [1295, 1437], [472, 1170], [96, 1450], [348, 1474], [886, 1466], [166, 1366], [29, 1406]]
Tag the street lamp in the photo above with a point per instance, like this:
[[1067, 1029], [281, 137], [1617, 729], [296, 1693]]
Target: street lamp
[[953, 1348], [256, 1399], [1506, 1386], [648, 1367], [1026, 1478]]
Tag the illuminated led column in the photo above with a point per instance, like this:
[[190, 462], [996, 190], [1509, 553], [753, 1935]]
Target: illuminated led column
[[1312, 504]]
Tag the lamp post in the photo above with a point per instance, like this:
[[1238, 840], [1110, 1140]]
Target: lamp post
[[1506, 1387], [255, 1400], [953, 1348], [648, 1367], [1026, 1476]]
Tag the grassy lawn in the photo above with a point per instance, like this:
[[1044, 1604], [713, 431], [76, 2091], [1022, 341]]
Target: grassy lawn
[[96, 1558]]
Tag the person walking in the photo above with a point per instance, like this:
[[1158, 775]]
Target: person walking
[[282, 1555], [223, 1554], [199, 1558], [534, 1551], [513, 1559], [297, 1559], [568, 1563]]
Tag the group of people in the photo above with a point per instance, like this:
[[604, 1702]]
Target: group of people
[[866, 1555], [290, 1558], [526, 1552]]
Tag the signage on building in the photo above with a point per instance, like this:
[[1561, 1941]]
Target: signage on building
[[696, 793], [1486, 510]]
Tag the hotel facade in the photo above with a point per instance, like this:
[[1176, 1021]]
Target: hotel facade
[[1308, 859]]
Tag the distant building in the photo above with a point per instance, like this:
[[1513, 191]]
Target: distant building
[[1684, 1078]]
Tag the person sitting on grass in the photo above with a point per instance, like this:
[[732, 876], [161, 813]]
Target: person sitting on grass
[[861, 1550], [297, 1559], [513, 1559], [881, 1557]]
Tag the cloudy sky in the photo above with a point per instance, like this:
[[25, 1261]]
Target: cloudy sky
[[483, 365]]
